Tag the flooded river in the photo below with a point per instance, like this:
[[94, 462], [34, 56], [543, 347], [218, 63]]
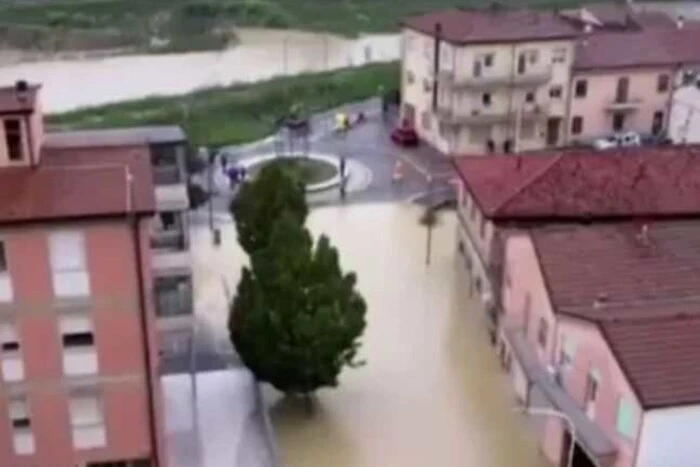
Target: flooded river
[[261, 54], [431, 393]]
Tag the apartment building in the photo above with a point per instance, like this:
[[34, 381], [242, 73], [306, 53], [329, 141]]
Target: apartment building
[[78, 351], [604, 348], [484, 81], [170, 243], [501, 195]]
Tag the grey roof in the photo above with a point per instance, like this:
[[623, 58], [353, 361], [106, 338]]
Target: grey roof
[[116, 137]]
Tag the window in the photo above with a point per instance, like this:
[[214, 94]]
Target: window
[[555, 92], [6, 294], [657, 123], [626, 418], [591, 392], [22, 436], [425, 120], [576, 125], [527, 130], [530, 97], [12, 364], [13, 139], [581, 88], [486, 99], [542, 332], [662, 83], [79, 352], [618, 121], [559, 55], [87, 422], [173, 296], [488, 60], [68, 264]]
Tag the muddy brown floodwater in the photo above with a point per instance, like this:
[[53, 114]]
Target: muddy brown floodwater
[[432, 393]]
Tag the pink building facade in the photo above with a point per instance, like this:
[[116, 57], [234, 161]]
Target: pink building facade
[[79, 379]]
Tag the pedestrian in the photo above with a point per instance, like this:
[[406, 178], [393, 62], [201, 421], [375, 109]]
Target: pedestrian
[[242, 173], [232, 176], [224, 162]]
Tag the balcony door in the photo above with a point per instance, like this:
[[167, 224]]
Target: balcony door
[[623, 88]]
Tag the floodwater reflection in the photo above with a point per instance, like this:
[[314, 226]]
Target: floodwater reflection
[[432, 393]]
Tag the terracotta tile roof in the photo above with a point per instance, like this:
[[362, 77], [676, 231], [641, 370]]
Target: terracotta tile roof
[[584, 183], [462, 26], [642, 286], [77, 183], [10, 103]]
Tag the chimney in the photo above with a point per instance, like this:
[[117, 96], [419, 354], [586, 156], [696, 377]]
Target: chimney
[[21, 90], [680, 21]]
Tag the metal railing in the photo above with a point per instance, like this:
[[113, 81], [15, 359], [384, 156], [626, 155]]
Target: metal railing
[[167, 175], [173, 240]]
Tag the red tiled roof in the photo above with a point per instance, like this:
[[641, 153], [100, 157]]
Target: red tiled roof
[[584, 183], [462, 26], [642, 286], [77, 183], [10, 103], [660, 358]]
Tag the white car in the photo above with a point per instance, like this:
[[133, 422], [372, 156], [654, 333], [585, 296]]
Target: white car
[[620, 140]]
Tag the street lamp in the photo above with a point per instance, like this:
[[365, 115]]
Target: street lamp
[[543, 411]]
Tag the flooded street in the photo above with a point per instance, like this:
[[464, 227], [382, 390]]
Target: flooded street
[[261, 54], [432, 392]]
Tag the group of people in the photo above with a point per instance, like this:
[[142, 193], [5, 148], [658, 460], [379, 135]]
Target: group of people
[[235, 173]]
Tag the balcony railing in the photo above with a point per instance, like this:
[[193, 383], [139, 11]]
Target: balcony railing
[[166, 175], [489, 116], [627, 104], [173, 297], [168, 240], [529, 78]]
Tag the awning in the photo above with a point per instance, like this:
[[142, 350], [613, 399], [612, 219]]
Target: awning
[[591, 437]]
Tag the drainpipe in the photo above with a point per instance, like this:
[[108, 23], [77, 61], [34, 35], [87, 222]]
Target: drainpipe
[[511, 91], [145, 341], [436, 63], [30, 139]]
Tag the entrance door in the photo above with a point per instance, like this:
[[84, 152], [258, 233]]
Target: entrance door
[[553, 125]]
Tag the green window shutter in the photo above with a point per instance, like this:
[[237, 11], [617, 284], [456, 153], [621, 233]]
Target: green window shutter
[[626, 418]]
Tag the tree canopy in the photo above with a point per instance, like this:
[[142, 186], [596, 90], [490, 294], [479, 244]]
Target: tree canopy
[[274, 190]]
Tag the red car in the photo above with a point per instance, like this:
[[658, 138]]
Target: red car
[[405, 136]]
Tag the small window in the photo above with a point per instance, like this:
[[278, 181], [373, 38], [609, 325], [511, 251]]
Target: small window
[[486, 99], [530, 97], [576, 125], [488, 60], [3, 258], [657, 123], [20, 420], [581, 88], [592, 386], [555, 92], [662, 83], [542, 332], [13, 139], [559, 55]]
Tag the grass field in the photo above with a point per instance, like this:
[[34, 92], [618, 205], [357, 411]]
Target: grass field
[[172, 25], [239, 114]]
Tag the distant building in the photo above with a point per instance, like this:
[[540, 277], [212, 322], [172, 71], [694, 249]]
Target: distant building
[[601, 325], [86, 282]]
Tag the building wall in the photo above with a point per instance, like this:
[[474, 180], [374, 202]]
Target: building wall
[[458, 60], [525, 289], [669, 437], [113, 307], [684, 120], [602, 86]]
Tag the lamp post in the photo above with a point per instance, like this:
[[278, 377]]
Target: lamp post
[[545, 412]]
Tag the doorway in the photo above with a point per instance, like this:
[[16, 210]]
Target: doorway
[[580, 458], [553, 125]]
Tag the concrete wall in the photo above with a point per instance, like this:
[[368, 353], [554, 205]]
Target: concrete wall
[[114, 309], [670, 437], [602, 87]]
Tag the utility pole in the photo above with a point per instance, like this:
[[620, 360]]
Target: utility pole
[[430, 220]]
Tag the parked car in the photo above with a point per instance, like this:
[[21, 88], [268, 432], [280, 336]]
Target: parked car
[[619, 140], [405, 135]]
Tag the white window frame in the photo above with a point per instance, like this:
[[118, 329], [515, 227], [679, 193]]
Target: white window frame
[[78, 360], [11, 362], [559, 55], [87, 428], [6, 292], [22, 437], [69, 269]]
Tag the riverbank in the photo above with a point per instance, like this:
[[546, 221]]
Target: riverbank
[[241, 113], [185, 25]]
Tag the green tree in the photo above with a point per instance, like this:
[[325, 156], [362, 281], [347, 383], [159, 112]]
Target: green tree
[[275, 190], [297, 318]]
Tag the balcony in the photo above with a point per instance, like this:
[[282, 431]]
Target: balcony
[[167, 175], [168, 241], [492, 116], [624, 105], [174, 302], [172, 197], [529, 78]]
